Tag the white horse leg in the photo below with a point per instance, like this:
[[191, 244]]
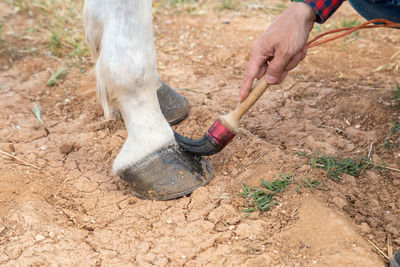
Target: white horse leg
[[127, 77], [93, 21], [150, 160]]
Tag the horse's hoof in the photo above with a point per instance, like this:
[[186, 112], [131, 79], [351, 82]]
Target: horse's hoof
[[167, 174], [396, 260], [174, 107]]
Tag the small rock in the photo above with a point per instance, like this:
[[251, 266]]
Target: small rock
[[365, 228], [357, 126], [393, 230], [339, 202], [207, 101], [39, 237], [350, 147], [51, 234], [66, 148], [132, 201], [222, 84], [304, 168], [261, 133], [233, 220]]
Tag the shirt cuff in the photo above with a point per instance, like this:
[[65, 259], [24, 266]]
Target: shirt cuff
[[324, 8]]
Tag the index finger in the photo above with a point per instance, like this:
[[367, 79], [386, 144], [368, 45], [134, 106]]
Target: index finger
[[250, 74]]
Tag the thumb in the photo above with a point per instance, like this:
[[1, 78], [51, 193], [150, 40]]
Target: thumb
[[276, 67]]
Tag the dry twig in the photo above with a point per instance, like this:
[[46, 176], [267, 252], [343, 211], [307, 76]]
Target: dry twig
[[370, 150], [18, 159], [389, 246], [379, 250]]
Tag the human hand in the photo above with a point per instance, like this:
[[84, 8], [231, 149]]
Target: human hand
[[280, 48]]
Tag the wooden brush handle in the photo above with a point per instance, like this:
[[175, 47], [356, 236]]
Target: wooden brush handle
[[232, 119]]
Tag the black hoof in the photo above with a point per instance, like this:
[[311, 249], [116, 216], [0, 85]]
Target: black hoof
[[167, 174], [174, 107], [396, 260]]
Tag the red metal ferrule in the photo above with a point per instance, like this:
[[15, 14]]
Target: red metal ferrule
[[219, 135]]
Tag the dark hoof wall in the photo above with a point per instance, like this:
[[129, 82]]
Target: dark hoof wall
[[167, 174], [396, 260], [174, 107]]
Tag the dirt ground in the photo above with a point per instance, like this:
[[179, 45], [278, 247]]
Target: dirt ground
[[72, 210]]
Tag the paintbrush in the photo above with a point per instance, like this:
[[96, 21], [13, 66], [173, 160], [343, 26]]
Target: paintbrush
[[224, 129]]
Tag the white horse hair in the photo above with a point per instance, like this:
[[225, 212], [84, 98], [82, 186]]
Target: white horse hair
[[120, 36]]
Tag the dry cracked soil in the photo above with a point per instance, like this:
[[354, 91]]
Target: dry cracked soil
[[68, 208]]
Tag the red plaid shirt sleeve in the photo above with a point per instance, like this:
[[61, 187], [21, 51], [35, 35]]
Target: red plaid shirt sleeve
[[324, 8]]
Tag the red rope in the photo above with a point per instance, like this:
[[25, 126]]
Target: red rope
[[349, 30]]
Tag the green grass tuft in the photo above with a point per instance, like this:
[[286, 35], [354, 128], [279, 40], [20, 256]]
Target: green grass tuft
[[335, 167], [178, 2], [396, 128], [263, 197], [228, 4], [308, 183], [393, 140], [57, 76], [397, 96], [345, 23], [55, 44]]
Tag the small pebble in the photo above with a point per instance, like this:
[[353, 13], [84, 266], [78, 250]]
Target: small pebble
[[66, 148], [51, 234], [304, 168], [261, 134], [39, 237], [365, 228]]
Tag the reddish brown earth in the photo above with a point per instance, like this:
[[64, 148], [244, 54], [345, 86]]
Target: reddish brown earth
[[72, 210]]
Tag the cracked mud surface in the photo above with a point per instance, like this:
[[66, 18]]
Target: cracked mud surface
[[74, 211]]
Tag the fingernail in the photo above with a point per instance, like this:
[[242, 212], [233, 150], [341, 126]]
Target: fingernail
[[271, 79]]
